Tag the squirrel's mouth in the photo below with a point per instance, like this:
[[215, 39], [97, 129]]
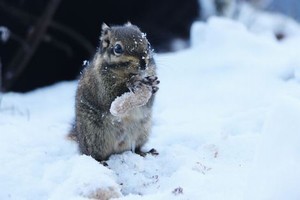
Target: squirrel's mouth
[[143, 64]]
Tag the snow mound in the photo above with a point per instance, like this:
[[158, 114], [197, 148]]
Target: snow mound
[[80, 177], [37, 161], [276, 171]]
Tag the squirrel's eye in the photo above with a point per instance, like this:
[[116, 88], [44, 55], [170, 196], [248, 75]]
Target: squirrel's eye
[[118, 49]]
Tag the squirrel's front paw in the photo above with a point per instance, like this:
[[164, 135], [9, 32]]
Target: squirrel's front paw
[[151, 81], [141, 90], [137, 82]]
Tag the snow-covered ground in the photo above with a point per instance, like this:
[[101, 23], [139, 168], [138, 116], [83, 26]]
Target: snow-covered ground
[[226, 125]]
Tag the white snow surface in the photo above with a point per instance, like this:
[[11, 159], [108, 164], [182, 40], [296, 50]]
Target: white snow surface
[[225, 124]]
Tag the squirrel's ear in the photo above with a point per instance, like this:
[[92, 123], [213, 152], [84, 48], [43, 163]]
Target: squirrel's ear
[[132, 26], [104, 38], [128, 24], [104, 26], [105, 30]]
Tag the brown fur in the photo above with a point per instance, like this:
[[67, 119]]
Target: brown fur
[[109, 75]]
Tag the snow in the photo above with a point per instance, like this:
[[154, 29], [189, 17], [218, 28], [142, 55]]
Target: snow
[[263, 22], [225, 126], [209, 8], [37, 160], [276, 167]]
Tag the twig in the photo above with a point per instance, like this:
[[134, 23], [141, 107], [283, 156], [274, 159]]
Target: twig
[[24, 54], [75, 36], [27, 18], [59, 44]]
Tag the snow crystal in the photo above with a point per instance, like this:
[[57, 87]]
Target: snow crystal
[[85, 63], [144, 35]]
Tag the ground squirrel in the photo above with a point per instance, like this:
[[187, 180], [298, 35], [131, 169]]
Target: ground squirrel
[[115, 94]]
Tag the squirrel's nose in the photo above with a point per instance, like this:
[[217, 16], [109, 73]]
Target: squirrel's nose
[[143, 63]]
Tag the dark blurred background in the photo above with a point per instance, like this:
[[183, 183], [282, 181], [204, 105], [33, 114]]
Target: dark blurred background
[[50, 39], [72, 32]]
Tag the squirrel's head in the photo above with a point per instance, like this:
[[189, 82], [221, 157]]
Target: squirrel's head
[[125, 46]]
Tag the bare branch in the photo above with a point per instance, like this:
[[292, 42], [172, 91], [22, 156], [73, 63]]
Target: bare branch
[[27, 18], [24, 54]]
